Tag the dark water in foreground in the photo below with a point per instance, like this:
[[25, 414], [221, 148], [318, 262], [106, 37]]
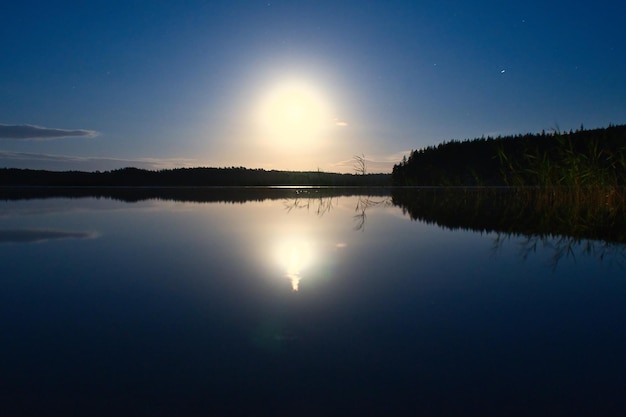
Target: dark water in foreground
[[303, 304]]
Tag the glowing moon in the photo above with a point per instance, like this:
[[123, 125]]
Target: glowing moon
[[293, 113]]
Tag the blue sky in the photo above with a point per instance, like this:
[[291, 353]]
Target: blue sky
[[296, 85]]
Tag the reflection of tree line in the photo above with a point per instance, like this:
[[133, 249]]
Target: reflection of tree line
[[598, 214], [567, 220], [595, 213], [186, 194]]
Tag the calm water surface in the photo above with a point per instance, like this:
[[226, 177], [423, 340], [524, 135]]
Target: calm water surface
[[305, 306]]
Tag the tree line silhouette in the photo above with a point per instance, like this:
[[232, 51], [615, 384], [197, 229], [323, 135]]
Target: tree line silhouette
[[191, 177], [575, 158]]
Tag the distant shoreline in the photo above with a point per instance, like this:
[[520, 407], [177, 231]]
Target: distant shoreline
[[188, 177]]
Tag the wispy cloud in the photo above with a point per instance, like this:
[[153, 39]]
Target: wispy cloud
[[32, 132], [68, 162]]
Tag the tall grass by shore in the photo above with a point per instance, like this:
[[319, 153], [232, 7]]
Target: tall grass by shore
[[565, 164]]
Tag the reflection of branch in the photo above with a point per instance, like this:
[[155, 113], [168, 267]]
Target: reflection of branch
[[360, 219], [323, 206], [362, 205], [296, 203]]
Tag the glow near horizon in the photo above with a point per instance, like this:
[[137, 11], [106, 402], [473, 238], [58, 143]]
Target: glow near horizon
[[289, 120]]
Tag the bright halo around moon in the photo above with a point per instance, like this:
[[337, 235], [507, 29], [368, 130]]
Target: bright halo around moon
[[293, 114]]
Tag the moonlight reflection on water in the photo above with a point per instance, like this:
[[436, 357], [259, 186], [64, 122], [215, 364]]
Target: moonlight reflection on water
[[295, 256]]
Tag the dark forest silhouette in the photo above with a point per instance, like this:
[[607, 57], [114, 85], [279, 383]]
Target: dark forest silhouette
[[575, 158], [190, 177]]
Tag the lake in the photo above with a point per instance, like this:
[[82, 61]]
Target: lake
[[308, 302]]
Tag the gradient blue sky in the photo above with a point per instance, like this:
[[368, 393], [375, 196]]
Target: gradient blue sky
[[160, 84]]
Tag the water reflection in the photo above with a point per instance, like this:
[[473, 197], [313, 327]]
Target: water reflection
[[551, 216], [320, 204], [568, 223], [37, 236], [189, 194], [564, 247], [363, 204], [256, 304], [295, 256], [543, 212]]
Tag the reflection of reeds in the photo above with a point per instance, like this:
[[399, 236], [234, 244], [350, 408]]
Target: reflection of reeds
[[570, 222], [565, 247], [583, 212]]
